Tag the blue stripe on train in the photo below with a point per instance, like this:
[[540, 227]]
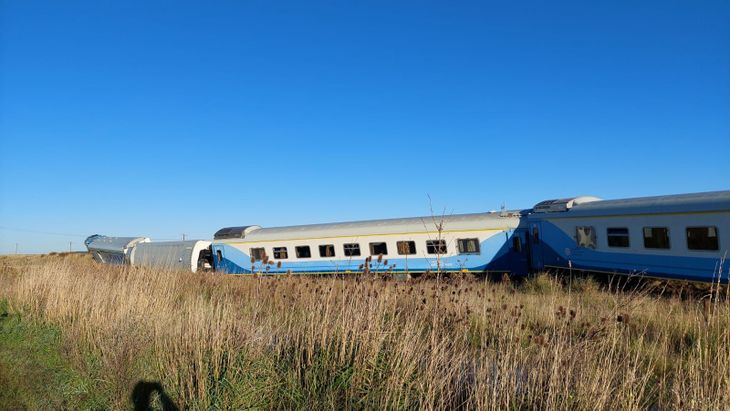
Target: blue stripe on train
[[563, 249], [495, 255]]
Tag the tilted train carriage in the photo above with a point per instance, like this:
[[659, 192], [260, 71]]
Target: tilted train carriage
[[679, 236], [683, 236], [139, 251], [112, 250]]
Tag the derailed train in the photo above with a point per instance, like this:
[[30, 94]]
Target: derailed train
[[684, 236]]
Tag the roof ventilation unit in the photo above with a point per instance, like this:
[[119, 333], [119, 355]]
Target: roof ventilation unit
[[561, 204], [234, 232]]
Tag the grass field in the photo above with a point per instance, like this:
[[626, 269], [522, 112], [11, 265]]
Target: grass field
[[77, 335]]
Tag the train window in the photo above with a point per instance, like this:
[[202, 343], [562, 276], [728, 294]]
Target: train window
[[535, 234], [219, 253], [351, 250], [378, 249], [702, 238], [327, 250], [257, 254], [618, 237], [656, 237], [280, 253], [406, 247], [303, 251], [516, 243], [585, 237], [436, 247], [468, 245]]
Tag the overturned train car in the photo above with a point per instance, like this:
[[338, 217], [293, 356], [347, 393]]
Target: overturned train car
[[112, 250], [140, 251], [176, 255]]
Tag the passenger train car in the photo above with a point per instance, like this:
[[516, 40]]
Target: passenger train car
[[483, 243], [679, 236]]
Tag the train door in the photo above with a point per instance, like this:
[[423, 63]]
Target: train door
[[521, 250], [218, 257], [535, 247]]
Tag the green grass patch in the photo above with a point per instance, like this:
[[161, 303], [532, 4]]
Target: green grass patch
[[33, 371]]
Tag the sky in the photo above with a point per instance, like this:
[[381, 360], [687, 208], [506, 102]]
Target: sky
[[164, 118]]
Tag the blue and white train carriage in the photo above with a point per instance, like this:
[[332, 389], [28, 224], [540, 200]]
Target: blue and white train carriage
[[476, 243], [684, 236]]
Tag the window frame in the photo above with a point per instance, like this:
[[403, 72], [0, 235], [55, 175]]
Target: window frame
[[411, 246], [277, 253], [299, 248], [331, 246], [253, 254], [459, 242], [668, 237], [374, 244], [716, 237], [348, 249], [431, 247], [593, 244], [610, 236]]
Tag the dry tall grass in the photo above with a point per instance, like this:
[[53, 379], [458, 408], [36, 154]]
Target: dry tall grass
[[287, 342]]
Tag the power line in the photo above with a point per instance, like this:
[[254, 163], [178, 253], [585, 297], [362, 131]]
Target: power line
[[26, 230]]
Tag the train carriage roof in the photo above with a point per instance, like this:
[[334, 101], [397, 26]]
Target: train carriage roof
[[679, 203], [458, 222]]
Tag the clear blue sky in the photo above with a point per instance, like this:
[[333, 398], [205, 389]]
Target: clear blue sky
[[160, 118]]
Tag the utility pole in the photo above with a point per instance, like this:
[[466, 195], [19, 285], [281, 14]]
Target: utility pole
[[16, 248], [69, 246], [183, 236]]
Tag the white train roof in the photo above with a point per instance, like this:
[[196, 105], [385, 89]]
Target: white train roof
[[457, 222], [694, 202]]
